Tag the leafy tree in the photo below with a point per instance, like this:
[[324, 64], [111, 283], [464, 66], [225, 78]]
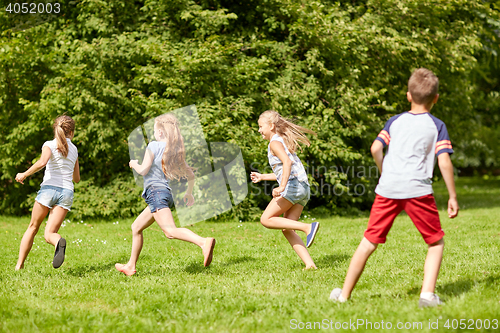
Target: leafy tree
[[338, 68], [479, 150]]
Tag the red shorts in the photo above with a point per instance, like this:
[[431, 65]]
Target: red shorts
[[422, 211]]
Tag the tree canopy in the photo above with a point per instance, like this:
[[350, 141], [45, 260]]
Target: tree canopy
[[339, 68]]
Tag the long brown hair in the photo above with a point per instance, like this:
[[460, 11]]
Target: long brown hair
[[291, 133], [173, 160], [63, 127]]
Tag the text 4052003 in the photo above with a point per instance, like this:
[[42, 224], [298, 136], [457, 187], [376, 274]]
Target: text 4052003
[[33, 8]]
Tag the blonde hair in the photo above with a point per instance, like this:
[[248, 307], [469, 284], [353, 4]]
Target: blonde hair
[[292, 134], [423, 86], [63, 127], [173, 161]]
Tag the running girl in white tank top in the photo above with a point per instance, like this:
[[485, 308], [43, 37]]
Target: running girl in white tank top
[[60, 159]]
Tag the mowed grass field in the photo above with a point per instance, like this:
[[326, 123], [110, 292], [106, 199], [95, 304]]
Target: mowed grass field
[[256, 282]]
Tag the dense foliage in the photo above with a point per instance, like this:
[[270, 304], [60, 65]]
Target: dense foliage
[[479, 151], [339, 68]]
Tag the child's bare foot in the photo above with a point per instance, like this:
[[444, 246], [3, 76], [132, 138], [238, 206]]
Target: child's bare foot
[[125, 270], [308, 268], [208, 250], [19, 267]]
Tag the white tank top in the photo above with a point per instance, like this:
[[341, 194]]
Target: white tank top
[[59, 169], [276, 164]]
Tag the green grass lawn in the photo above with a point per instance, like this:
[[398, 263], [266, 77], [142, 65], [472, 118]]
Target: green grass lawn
[[256, 282]]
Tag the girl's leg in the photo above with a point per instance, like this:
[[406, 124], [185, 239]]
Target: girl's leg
[[56, 218], [166, 222], [37, 216], [294, 239], [271, 220], [144, 220]]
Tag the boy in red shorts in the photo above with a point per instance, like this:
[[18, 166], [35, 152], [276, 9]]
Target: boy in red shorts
[[413, 138]]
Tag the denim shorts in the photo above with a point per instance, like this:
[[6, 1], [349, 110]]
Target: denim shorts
[[297, 192], [50, 196], [158, 198]]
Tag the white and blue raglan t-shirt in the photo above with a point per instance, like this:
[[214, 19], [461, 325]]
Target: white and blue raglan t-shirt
[[413, 140]]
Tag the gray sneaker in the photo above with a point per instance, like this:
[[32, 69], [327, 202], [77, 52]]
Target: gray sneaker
[[425, 303], [335, 295]]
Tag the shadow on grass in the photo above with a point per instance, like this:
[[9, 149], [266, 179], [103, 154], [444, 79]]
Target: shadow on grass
[[459, 287], [331, 259], [238, 260], [456, 288], [462, 286], [452, 289], [326, 261], [197, 268], [492, 280], [83, 270]]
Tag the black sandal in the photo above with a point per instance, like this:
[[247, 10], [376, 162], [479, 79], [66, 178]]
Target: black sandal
[[59, 254]]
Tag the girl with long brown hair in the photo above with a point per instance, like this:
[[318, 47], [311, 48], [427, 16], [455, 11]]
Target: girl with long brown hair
[[60, 159], [164, 159], [293, 192]]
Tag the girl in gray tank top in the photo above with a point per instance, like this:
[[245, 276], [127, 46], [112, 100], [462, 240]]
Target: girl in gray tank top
[[164, 159]]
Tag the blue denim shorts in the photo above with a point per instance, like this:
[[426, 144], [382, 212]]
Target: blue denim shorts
[[158, 198], [50, 196], [297, 192]]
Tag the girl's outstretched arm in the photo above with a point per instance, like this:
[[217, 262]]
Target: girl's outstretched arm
[[76, 172], [143, 168], [257, 177], [39, 165]]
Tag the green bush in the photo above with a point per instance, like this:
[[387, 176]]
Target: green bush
[[119, 198], [338, 68]]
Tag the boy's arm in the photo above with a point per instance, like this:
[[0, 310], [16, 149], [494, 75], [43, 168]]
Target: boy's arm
[[378, 154], [446, 168]]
